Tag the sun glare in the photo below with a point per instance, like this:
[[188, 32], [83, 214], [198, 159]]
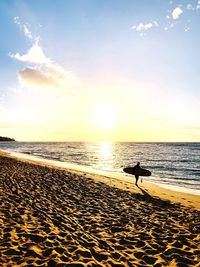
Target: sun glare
[[105, 117]]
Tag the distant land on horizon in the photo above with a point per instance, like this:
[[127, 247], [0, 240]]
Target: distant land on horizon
[[5, 139]]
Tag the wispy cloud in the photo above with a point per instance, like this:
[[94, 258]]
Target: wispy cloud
[[141, 27], [24, 27]]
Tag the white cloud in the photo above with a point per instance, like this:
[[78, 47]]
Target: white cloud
[[43, 71], [176, 13], [34, 55], [145, 27], [141, 26]]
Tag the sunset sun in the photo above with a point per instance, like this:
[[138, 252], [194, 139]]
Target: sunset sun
[[105, 117]]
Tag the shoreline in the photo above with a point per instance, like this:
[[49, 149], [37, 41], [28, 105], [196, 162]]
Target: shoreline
[[177, 194], [57, 217], [88, 169]]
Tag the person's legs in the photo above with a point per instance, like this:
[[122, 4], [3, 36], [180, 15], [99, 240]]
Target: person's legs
[[136, 177]]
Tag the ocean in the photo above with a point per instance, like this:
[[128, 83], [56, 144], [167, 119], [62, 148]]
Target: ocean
[[173, 165]]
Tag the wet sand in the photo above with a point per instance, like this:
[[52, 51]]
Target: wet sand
[[55, 217]]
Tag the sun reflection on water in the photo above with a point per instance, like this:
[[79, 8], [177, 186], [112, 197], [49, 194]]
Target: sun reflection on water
[[105, 155], [105, 150], [101, 155]]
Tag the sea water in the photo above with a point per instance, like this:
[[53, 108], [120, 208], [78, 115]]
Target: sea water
[[172, 164]]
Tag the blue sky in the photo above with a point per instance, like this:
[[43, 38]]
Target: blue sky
[[71, 68]]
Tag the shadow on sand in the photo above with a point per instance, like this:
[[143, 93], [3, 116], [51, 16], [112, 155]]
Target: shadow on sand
[[145, 196]]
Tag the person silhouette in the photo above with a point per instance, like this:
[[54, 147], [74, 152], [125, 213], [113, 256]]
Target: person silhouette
[[137, 167]]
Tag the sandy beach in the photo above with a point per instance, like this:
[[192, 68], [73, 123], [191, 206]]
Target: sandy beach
[[56, 217]]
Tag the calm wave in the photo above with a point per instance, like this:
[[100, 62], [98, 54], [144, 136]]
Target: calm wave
[[171, 163]]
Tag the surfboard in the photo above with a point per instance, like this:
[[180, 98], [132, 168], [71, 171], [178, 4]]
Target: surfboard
[[139, 172]]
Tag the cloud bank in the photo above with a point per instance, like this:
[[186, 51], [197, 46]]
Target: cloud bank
[[51, 77]]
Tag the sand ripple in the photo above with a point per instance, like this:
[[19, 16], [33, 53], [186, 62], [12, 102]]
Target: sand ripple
[[52, 217]]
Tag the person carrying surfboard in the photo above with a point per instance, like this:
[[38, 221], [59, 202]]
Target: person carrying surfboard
[[135, 168], [137, 171]]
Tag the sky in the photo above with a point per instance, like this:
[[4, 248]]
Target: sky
[[100, 70]]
